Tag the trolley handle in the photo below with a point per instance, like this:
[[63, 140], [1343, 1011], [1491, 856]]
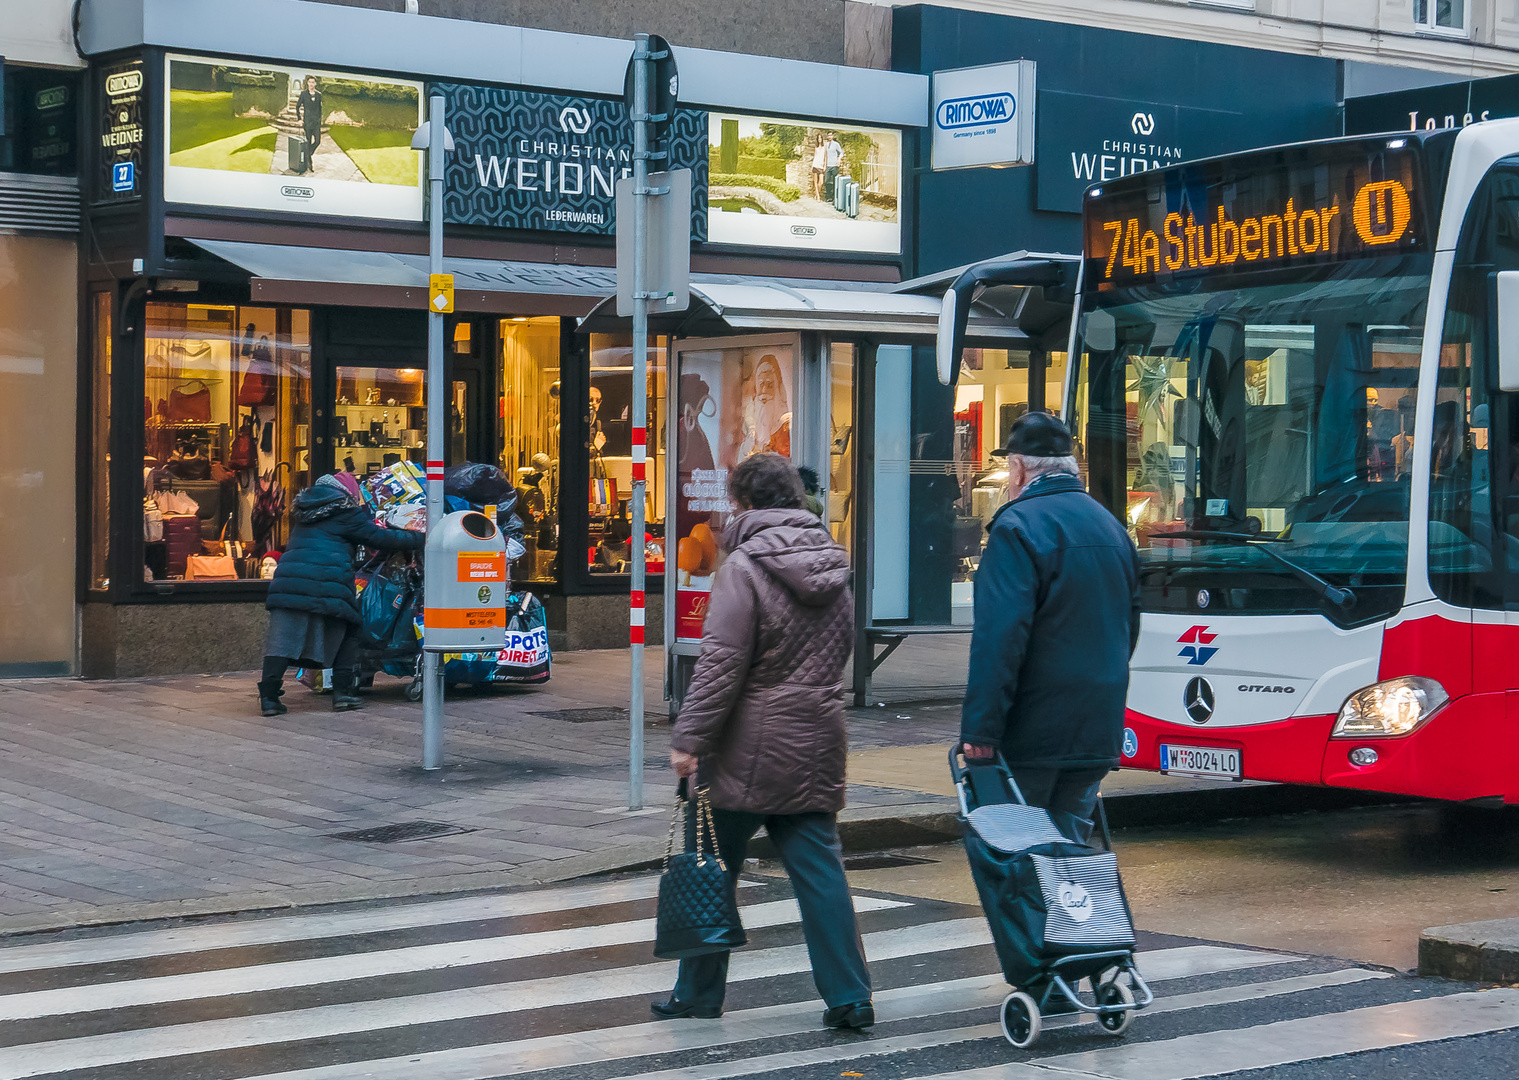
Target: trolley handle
[[959, 771]]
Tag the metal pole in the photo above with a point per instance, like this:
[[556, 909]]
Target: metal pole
[[432, 668], [640, 411]]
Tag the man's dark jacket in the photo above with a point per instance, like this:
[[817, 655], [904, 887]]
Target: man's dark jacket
[[315, 574], [1056, 620]]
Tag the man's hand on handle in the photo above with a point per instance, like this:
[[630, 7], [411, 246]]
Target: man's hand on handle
[[683, 764], [973, 752]]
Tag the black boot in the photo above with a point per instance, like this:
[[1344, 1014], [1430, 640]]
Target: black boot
[[269, 694], [344, 682]]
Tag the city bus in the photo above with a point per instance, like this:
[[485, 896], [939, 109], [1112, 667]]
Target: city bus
[[1294, 376]]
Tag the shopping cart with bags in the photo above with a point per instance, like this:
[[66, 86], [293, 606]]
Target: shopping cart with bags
[[1056, 907]]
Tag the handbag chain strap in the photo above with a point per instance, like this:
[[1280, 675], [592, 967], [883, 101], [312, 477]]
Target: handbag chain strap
[[704, 822]]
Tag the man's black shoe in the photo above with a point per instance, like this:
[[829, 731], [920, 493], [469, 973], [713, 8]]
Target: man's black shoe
[[675, 1010], [271, 707], [862, 1014], [345, 702]]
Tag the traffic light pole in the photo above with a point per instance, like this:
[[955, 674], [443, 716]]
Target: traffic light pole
[[636, 609]]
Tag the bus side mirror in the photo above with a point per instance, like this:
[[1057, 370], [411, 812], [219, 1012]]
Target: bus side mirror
[[1508, 329]]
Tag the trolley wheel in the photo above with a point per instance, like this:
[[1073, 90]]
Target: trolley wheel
[[1115, 993], [414, 690], [1020, 1019]]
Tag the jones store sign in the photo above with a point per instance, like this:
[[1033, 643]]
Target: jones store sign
[[1084, 140], [526, 160]]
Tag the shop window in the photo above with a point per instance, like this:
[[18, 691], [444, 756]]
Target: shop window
[[841, 448], [227, 437], [1441, 16], [100, 442], [38, 128], [609, 450], [381, 418], [530, 426], [992, 393]]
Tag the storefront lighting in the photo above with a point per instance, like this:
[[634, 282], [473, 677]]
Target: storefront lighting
[[1391, 708]]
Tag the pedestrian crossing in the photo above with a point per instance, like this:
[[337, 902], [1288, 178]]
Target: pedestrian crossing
[[556, 982]]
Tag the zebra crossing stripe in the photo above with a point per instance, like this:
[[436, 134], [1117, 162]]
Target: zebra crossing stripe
[[325, 1021], [225, 982], [1267, 1046], [580, 1048], [280, 929]]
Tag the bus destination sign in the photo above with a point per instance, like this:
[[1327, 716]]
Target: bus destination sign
[[1295, 208]]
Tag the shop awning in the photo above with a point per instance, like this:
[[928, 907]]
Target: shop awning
[[281, 274], [722, 305]]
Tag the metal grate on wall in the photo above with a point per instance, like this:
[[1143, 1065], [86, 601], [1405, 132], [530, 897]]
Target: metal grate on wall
[[47, 204]]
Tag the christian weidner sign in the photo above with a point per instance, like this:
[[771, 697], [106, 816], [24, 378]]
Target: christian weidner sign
[[984, 116], [528, 160]]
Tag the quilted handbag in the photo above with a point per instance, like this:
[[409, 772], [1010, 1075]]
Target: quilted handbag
[[698, 909]]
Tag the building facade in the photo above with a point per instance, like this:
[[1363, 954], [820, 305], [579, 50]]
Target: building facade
[[256, 286]]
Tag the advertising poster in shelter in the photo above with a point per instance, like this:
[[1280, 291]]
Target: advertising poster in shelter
[[731, 403], [793, 184], [269, 137]]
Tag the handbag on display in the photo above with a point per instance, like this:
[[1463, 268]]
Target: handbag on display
[[152, 522], [260, 384], [244, 452], [698, 909], [210, 568], [190, 406]]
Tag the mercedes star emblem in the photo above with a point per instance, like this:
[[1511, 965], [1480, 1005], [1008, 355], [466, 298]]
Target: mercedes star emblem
[[1203, 598], [1197, 699]]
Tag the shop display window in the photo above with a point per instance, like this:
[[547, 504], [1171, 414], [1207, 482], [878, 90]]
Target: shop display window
[[530, 428], [841, 448], [993, 392], [226, 440], [100, 441], [609, 452], [381, 418]]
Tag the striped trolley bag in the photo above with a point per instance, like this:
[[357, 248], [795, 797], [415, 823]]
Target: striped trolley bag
[[1056, 908]]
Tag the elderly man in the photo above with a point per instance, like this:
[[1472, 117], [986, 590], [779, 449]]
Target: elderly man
[[1056, 620]]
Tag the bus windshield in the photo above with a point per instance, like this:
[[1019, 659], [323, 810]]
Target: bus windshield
[[1281, 412]]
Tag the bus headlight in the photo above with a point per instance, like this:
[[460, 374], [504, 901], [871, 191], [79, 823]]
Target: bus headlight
[[1394, 707]]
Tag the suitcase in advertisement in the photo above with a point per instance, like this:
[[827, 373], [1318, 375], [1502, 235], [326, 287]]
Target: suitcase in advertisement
[[297, 154], [852, 199]]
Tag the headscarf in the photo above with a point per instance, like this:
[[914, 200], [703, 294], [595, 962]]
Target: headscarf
[[344, 482]]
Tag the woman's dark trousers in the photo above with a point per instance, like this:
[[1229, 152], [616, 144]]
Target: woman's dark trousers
[[810, 850]]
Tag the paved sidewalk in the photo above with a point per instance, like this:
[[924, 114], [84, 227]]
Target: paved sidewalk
[[152, 797]]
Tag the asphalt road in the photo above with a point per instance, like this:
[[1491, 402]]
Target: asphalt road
[[556, 983]]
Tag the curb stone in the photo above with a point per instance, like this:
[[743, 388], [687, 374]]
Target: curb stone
[[1486, 951]]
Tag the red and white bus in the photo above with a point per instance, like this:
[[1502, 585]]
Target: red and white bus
[[1294, 374]]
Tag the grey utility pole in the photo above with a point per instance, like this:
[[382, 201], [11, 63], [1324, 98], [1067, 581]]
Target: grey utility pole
[[640, 410], [438, 303]]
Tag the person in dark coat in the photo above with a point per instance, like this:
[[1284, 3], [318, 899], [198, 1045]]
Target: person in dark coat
[[1056, 620], [308, 110], [762, 729], [313, 609]]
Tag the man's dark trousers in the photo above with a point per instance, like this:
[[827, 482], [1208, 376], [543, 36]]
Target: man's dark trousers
[[810, 850], [1070, 795]]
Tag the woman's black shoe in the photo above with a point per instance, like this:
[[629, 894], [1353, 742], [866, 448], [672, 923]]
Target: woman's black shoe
[[674, 1010], [862, 1014]]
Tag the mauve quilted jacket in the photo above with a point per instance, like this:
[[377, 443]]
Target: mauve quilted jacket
[[765, 713]]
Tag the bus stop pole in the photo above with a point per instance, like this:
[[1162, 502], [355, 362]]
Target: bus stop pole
[[432, 667], [640, 417]]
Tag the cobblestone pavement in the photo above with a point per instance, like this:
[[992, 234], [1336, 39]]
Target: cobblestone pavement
[[170, 796]]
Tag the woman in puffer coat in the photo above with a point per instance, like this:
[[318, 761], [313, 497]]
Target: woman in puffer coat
[[762, 728], [313, 609]]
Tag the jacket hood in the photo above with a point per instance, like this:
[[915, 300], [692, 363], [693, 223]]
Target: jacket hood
[[794, 548], [319, 501]]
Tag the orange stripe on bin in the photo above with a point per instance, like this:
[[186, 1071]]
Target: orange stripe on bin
[[464, 618]]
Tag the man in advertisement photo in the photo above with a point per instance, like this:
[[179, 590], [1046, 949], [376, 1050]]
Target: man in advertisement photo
[[833, 157], [308, 109]]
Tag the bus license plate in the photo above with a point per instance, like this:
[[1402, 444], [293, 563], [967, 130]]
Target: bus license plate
[[1201, 761]]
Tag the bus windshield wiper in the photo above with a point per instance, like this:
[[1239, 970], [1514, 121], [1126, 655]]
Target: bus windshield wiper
[[1343, 599]]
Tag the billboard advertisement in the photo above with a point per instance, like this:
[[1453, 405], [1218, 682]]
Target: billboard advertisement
[[786, 183], [259, 136], [530, 160], [730, 403]]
